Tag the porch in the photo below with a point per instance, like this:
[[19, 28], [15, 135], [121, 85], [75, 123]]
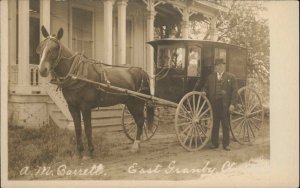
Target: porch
[[114, 31]]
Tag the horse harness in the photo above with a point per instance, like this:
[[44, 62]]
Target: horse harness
[[70, 79]]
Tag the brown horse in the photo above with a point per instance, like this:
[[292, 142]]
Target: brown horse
[[81, 96]]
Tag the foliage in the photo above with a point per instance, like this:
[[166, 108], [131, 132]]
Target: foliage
[[244, 25]]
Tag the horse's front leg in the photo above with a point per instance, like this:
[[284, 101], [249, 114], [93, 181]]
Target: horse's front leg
[[86, 113], [75, 112]]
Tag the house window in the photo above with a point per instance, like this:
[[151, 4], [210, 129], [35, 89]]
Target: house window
[[34, 31], [82, 31]]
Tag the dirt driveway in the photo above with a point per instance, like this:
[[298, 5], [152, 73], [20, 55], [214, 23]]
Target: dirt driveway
[[161, 158]]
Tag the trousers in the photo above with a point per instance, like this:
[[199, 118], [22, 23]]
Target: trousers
[[221, 115]]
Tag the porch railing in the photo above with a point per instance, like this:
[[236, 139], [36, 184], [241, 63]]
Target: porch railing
[[34, 77]]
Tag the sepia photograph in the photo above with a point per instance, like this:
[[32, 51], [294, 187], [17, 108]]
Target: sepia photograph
[[137, 93]]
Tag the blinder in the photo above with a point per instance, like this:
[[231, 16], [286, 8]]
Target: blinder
[[42, 46]]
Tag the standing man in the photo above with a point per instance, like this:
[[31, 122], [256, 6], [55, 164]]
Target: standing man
[[220, 87]]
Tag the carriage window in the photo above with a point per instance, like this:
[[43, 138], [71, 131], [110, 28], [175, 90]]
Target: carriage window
[[194, 58], [220, 53], [171, 58]]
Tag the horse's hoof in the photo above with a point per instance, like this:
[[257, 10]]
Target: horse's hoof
[[134, 150], [85, 158]]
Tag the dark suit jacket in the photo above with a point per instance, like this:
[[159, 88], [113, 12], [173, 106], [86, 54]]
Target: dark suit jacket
[[229, 88]]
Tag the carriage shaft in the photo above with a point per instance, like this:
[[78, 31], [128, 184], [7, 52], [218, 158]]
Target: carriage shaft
[[156, 100]]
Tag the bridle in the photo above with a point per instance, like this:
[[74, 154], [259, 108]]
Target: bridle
[[61, 81], [59, 55]]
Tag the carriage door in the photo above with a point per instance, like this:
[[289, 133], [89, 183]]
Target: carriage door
[[170, 72], [82, 31]]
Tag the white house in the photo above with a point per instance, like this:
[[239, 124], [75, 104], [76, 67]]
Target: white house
[[114, 31]]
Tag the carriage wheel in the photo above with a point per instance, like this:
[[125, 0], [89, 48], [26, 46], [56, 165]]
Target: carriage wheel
[[193, 121], [130, 127], [247, 118]]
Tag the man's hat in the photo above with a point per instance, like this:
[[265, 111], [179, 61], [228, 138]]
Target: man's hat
[[219, 61]]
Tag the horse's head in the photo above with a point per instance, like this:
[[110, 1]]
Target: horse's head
[[50, 51]]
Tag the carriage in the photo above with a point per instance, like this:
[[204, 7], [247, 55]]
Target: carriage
[[180, 70], [181, 67]]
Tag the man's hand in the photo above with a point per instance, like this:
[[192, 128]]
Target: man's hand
[[231, 108]]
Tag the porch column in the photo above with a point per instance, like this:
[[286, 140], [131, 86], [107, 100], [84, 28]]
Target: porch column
[[23, 53], [108, 12], [150, 55], [4, 51], [213, 28], [45, 16], [45, 21], [122, 4], [185, 23], [12, 32]]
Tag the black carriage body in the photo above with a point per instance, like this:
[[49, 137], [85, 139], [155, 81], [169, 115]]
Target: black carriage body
[[181, 65]]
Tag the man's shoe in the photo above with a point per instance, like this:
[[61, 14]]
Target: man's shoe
[[226, 148], [213, 147]]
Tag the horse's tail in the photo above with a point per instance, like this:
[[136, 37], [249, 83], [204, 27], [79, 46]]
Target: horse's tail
[[149, 105]]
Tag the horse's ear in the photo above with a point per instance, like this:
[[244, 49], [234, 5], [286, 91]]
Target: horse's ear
[[60, 33], [44, 32]]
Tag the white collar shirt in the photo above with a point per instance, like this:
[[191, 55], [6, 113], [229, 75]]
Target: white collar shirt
[[220, 75]]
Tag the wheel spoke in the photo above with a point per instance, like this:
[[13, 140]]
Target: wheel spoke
[[185, 117], [254, 124], [192, 136], [185, 111], [189, 105], [241, 109], [199, 134], [248, 135], [131, 129], [238, 113], [199, 112], [198, 103], [255, 118], [254, 105], [182, 124], [203, 132], [204, 113], [196, 142], [256, 112], [243, 104], [251, 130], [130, 123], [194, 104], [190, 130], [187, 128], [242, 126], [244, 131], [238, 124], [237, 119], [247, 93]]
